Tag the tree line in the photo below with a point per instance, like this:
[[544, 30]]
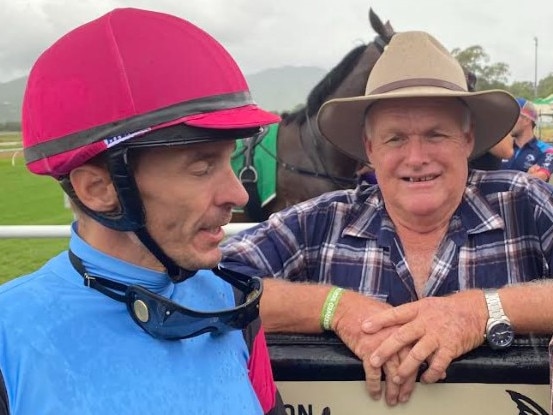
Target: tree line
[[10, 126], [496, 75]]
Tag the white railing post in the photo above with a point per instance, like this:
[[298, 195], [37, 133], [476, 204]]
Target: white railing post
[[63, 231]]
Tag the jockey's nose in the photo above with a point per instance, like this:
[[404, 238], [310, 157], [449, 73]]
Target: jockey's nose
[[233, 191]]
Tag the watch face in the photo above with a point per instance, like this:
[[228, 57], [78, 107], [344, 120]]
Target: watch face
[[500, 335]]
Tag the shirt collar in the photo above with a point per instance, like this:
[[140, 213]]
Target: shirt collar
[[533, 143], [370, 220], [103, 265]]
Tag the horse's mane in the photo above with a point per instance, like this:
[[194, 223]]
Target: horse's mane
[[324, 88]]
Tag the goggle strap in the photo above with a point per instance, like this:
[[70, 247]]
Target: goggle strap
[[234, 278], [105, 286]]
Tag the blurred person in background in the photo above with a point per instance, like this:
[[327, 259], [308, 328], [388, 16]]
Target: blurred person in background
[[531, 154]]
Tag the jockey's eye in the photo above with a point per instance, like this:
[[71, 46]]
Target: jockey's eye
[[201, 168]]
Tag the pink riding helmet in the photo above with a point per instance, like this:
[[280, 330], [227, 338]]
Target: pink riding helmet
[[123, 75]]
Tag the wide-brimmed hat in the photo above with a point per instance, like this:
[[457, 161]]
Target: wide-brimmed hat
[[415, 65]]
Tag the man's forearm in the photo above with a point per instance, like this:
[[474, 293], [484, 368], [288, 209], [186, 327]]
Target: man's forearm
[[292, 307], [529, 306], [297, 307]]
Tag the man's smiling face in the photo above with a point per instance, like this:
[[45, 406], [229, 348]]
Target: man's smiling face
[[419, 149]]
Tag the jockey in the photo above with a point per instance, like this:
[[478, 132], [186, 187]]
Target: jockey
[[136, 115]]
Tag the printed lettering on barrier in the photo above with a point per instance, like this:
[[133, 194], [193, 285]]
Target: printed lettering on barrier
[[349, 397]]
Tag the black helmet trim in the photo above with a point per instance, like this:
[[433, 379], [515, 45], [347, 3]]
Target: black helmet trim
[[137, 125], [181, 134]]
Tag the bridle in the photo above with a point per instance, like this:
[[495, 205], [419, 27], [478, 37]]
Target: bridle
[[380, 42], [249, 173], [317, 159]]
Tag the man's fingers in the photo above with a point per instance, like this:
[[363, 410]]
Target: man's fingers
[[408, 386], [412, 362], [437, 369], [390, 317], [373, 380], [401, 338], [392, 389]]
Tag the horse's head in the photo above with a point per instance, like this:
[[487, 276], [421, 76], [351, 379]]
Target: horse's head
[[347, 79], [364, 58], [308, 164]]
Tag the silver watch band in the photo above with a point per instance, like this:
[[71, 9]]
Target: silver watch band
[[495, 309]]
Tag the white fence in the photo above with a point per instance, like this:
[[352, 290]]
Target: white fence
[[63, 231]]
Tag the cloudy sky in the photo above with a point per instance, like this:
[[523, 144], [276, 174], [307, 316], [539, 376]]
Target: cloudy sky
[[262, 34]]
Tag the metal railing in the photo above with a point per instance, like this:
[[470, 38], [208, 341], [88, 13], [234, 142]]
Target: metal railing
[[63, 231]]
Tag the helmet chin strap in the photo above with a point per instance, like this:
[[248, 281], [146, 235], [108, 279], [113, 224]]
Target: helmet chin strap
[[176, 273], [130, 217]]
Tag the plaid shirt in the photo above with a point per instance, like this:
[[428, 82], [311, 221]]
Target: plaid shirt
[[501, 233]]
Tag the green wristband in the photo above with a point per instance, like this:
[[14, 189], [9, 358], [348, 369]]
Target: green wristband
[[329, 307]]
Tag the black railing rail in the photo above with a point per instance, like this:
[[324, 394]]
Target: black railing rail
[[324, 358]]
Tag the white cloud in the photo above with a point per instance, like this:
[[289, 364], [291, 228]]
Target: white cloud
[[261, 34]]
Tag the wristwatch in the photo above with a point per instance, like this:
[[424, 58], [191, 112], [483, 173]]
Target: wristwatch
[[499, 332]]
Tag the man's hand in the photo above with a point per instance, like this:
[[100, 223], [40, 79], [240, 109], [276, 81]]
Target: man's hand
[[352, 310], [538, 172], [439, 329]]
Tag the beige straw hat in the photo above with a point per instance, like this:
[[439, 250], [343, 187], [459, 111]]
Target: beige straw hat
[[415, 65]]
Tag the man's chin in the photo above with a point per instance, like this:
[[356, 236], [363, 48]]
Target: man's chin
[[205, 260]]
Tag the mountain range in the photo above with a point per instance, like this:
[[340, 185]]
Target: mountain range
[[11, 96], [276, 89]]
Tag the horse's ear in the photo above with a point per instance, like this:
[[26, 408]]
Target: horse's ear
[[389, 29], [385, 31], [471, 79], [376, 23]]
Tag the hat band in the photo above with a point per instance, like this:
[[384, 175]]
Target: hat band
[[136, 123], [406, 83]]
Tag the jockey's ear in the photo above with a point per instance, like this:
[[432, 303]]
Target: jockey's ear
[[94, 188]]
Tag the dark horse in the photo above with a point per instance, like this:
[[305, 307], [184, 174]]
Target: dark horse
[[307, 164]]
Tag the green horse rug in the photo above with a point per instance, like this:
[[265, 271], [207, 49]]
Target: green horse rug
[[264, 162]]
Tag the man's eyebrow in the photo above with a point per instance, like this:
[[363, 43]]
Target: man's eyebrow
[[207, 153], [200, 155]]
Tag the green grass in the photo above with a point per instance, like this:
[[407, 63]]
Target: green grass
[[27, 199]]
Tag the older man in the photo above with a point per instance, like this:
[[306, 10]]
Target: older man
[[349, 261]]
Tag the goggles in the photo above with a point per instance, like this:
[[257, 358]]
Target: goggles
[[165, 319]]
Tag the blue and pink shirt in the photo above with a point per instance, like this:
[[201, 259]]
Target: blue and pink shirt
[[68, 349]]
